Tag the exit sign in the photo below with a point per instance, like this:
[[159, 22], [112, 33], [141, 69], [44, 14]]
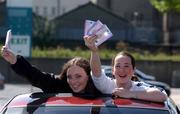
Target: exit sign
[[21, 45]]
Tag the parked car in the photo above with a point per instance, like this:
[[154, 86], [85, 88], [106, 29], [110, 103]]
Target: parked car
[[151, 80], [142, 77], [41, 103], [2, 81]]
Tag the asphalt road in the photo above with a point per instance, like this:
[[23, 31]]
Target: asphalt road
[[14, 89]]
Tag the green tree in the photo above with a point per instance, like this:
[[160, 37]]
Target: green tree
[[42, 30], [165, 7]]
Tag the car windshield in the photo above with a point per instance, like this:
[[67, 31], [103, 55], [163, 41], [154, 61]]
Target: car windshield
[[81, 110]]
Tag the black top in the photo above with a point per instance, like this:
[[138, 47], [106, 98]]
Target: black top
[[46, 81]]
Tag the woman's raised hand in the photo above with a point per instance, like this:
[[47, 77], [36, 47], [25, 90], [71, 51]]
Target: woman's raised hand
[[8, 55], [90, 42]]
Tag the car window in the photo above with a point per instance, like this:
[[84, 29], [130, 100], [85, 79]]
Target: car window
[[132, 111], [82, 110], [48, 110]]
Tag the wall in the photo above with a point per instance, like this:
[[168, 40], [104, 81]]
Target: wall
[[127, 8], [54, 8], [161, 70]]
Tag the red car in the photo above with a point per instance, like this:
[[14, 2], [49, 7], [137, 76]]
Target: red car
[[41, 103]]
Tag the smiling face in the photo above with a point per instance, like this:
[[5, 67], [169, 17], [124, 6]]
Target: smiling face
[[123, 69], [77, 78]]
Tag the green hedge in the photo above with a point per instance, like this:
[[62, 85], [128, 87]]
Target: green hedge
[[61, 52]]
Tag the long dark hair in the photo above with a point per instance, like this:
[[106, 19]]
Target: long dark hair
[[83, 63]]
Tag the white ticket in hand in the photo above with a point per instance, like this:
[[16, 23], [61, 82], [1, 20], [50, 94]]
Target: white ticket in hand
[[99, 29], [88, 24], [8, 38], [96, 27], [102, 35]]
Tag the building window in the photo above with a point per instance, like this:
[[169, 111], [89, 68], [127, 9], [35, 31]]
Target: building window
[[137, 18], [45, 11], [53, 11], [37, 10]]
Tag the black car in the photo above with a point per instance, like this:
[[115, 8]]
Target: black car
[[66, 103], [142, 77]]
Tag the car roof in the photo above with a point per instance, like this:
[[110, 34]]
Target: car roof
[[65, 99]]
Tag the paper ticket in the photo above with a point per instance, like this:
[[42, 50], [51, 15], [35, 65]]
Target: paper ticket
[[102, 35], [8, 38], [99, 29], [88, 24], [96, 27]]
